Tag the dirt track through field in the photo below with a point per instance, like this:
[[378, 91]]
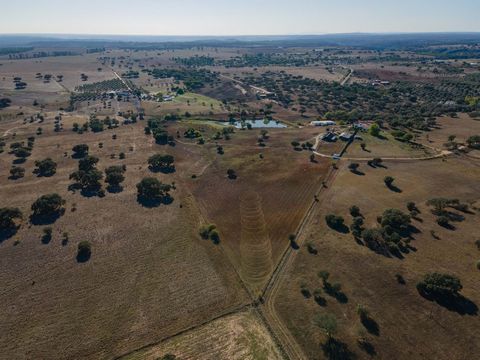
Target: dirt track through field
[[289, 344]]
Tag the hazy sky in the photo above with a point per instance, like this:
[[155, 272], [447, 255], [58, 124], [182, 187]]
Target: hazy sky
[[237, 17]]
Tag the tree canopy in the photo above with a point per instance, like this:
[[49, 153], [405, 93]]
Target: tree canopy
[[47, 205]]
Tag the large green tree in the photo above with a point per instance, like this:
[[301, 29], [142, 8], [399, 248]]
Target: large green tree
[[48, 205]]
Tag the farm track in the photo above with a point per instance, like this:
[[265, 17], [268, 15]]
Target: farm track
[[288, 344]]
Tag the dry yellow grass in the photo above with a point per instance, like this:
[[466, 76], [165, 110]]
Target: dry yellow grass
[[240, 336], [409, 325]]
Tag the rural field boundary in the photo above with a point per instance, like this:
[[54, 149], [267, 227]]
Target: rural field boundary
[[270, 291]]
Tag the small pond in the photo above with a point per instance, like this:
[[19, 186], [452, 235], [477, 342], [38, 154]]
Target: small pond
[[256, 124]]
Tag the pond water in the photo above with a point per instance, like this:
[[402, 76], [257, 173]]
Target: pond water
[[256, 124]]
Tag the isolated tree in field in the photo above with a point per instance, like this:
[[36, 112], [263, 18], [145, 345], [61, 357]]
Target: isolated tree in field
[[231, 174], [374, 130], [84, 251], [80, 150], [17, 172], [439, 284], [205, 231], [46, 167], [388, 180], [8, 216], [411, 206], [152, 189], [377, 161], [354, 167], [161, 162], [48, 205], [327, 323]]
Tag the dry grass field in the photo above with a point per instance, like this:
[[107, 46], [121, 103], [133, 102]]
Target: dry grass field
[[285, 180], [149, 277], [155, 284], [407, 325], [239, 336], [461, 127]]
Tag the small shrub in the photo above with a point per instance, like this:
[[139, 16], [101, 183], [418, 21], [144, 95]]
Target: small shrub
[[355, 211], [84, 251]]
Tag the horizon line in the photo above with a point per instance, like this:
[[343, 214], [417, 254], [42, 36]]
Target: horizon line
[[242, 35]]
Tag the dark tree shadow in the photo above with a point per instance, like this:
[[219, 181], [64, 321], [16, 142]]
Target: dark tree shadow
[[294, 245], [320, 300], [114, 189], [371, 325], [367, 347], [447, 226], [341, 297], [162, 169], [394, 188], [155, 202], [43, 174], [46, 219], [341, 229], [454, 216], [457, 303], [19, 161], [334, 349], [357, 172], [11, 177], [7, 233], [83, 256], [78, 156]]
